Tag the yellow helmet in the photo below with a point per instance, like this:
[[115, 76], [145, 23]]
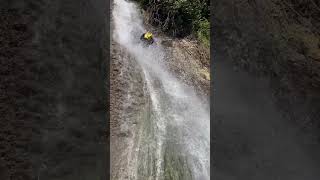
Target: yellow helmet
[[148, 35]]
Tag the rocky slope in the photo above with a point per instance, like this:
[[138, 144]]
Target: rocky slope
[[190, 61], [127, 101], [186, 59]]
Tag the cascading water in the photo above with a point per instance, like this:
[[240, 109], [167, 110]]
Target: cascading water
[[174, 139]]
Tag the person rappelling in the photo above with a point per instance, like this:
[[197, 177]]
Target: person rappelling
[[147, 38]]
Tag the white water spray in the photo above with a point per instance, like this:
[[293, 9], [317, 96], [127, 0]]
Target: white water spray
[[179, 119]]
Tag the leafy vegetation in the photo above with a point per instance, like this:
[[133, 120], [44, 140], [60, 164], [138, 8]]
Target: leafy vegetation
[[180, 18], [203, 32]]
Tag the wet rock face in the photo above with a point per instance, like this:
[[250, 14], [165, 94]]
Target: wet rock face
[[127, 100], [167, 43], [190, 62], [186, 58], [126, 88], [52, 89], [268, 38]]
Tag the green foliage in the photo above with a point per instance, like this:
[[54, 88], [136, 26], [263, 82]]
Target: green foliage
[[203, 33], [180, 17], [143, 3]]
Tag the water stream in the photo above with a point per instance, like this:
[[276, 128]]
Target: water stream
[[173, 140]]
